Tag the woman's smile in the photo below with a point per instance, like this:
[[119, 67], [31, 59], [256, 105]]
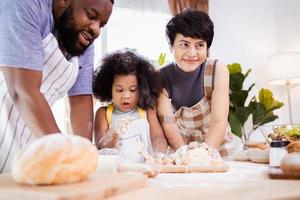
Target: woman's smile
[[190, 61]]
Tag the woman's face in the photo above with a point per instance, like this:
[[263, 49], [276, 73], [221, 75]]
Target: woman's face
[[189, 53], [125, 92]]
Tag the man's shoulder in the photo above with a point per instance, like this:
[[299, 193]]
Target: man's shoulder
[[26, 13], [87, 55], [33, 5]]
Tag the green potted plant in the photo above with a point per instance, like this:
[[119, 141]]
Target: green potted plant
[[261, 109]]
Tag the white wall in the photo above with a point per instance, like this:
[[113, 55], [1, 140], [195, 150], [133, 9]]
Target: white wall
[[287, 19], [248, 32]]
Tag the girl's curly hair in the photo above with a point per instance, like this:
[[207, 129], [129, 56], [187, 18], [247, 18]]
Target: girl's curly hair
[[125, 62]]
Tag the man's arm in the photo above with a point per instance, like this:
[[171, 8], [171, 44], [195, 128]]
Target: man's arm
[[24, 89], [164, 107], [158, 139], [219, 107], [81, 115]]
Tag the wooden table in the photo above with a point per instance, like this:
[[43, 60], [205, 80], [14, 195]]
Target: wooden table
[[244, 180]]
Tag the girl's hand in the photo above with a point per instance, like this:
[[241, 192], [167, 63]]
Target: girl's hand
[[109, 140], [121, 126]]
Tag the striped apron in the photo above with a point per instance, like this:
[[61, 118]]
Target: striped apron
[[59, 75], [193, 122]]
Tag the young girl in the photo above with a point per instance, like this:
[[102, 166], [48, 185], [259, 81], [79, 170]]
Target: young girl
[[129, 122]]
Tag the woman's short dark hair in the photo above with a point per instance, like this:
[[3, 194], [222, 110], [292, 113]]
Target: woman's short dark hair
[[191, 23], [125, 62]]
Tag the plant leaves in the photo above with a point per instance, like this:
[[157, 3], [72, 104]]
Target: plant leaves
[[267, 119], [250, 88], [248, 72], [261, 109], [234, 68], [235, 124], [236, 81], [243, 113], [161, 59], [266, 98], [238, 98], [258, 112]]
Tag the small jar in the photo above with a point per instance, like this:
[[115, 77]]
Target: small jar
[[277, 152]]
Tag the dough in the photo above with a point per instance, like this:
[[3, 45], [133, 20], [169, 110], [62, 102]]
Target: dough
[[192, 154], [55, 159]]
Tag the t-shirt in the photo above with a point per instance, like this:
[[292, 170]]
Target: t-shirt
[[184, 88], [23, 26]]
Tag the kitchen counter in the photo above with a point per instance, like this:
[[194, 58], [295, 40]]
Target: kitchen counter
[[244, 180]]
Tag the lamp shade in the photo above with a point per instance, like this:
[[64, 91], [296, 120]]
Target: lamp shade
[[284, 68]]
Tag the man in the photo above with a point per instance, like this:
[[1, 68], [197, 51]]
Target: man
[[46, 51]]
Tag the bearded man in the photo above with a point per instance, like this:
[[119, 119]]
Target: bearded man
[[46, 52]]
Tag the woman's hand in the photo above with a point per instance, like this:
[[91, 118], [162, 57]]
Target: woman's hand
[[213, 152]]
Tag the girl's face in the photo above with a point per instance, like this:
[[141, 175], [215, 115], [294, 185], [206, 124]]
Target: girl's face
[[125, 92], [189, 53]]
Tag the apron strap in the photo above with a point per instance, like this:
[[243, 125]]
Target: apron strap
[[167, 119], [108, 113], [209, 77], [110, 108], [142, 112]]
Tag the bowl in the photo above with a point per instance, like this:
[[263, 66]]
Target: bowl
[[242, 155], [259, 156]]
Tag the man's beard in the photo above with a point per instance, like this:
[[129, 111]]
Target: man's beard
[[68, 34]]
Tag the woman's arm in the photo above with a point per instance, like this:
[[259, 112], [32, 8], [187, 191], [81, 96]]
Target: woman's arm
[[219, 107], [164, 107], [158, 139]]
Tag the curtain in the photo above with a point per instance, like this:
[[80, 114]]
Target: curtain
[[176, 6]]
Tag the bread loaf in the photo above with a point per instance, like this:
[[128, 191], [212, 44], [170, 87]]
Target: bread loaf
[[55, 159], [290, 163]]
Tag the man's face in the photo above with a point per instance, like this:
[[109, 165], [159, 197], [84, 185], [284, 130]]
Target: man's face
[[80, 24]]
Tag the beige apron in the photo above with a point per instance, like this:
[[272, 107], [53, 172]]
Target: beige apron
[[59, 75], [193, 122]]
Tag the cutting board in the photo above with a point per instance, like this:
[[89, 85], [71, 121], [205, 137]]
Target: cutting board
[[277, 173], [97, 186], [193, 168]]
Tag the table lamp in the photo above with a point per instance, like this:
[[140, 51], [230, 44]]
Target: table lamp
[[284, 69]]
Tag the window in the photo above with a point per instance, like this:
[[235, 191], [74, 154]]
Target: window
[[131, 28]]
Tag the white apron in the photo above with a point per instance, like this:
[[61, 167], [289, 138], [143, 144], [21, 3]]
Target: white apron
[[59, 75], [135, 139]]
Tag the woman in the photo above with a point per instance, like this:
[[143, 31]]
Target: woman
[[194, 103]]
